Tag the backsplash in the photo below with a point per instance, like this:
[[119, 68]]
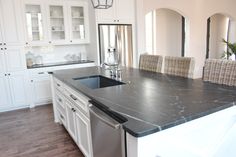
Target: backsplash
[[52, 54]]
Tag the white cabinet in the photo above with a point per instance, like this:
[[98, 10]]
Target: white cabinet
[[57, 26], [71, 123], [76, 106], [84, 135], [5, 101], [55, 22], [41, 89], [35, 22], [18, 87], [9, 22], [122, 11], [15, 58], [78, 21], [2, 61], [13, 90]]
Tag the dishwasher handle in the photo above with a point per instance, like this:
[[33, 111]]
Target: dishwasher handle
[[104, 117]]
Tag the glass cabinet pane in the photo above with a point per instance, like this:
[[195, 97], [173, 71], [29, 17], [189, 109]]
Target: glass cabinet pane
[[34, 22], [77, 15], [57, 23]]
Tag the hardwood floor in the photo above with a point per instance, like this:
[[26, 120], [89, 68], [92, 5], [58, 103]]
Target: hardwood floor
[[33, 133]]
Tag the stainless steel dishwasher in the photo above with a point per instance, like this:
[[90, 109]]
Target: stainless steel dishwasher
[[107, 134]]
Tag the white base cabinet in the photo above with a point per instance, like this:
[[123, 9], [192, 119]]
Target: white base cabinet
[[4, 93], [83, 127], [40, 88], [74, 105], [13, 90], [18, 87], [71, 124]]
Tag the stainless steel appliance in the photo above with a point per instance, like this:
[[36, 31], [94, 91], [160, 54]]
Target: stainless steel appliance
[[107, 134], [119, 38]]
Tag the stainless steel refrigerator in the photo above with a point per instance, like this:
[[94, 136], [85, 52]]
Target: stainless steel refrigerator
[[118, 37]]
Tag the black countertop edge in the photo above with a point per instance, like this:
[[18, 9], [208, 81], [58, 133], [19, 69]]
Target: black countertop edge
[[141, 134], [58, 64]]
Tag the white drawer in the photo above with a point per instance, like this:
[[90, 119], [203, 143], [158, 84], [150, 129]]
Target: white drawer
[[62, 118], [78, 99], [60, 102], [59, 85], [37, 74]]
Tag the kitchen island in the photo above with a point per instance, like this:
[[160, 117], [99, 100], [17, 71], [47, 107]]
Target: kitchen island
[[165, 115]]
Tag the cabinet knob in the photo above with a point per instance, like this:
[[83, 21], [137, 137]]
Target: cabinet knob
[[114, 20], [5, 74], [5, 48], [1, 48], [50, 42], [9, 74], [32, 80], [118, 20], [71, 41], [26, 43], [0, 44], [4, 44]]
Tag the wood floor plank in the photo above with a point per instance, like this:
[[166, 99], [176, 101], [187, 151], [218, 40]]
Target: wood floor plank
[[33, 133]]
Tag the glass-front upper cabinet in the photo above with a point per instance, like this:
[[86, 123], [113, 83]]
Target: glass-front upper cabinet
[[57, 22], [78, 15], [34, 22]]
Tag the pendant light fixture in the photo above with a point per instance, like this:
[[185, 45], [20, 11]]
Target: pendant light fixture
[[102, 4]]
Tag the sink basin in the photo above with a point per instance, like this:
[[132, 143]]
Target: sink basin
[[98, 81]]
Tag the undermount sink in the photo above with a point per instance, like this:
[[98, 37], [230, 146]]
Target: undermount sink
[[97, 81]]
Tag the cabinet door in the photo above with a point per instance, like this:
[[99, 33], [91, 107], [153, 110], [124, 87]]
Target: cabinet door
[[5, 102], [57, 23], [78, 21], [84, 135], [42, 90], [9, 22], [71, 124], [18, 88], [2, 61], [15, 59], [1, 35], [35, 22], [125, 11]]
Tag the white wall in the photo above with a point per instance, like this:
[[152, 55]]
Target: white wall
[[196, 13], [218, 30], [92, 46], [168, 32]]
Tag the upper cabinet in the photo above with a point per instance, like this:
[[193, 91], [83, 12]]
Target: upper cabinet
[[10, 34], [122, 11], [34, 19], [78, 20], [56, 22]]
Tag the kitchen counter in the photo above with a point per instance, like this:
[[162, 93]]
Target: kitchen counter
[[152, 102], [58, 64]]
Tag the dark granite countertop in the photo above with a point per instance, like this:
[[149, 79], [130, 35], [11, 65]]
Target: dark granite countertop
[[58, 64], [152, 101]]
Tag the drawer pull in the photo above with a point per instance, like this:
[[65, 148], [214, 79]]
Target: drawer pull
[[73, 97], [40, 73], [58, 85]]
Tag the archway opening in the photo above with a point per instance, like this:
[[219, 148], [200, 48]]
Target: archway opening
[[165, 33], [219, 29]]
